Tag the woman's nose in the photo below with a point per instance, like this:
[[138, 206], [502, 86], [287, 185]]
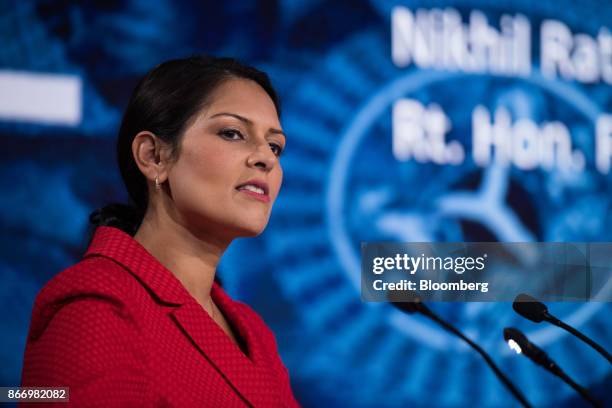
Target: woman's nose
[[262, 157]]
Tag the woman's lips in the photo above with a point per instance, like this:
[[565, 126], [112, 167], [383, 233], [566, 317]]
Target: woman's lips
[[255, 188], [258, 196]]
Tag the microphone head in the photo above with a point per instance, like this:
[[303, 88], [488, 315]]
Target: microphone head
[[518, 342], [510, 333], [530, 308], [407, 307], [407, 303]]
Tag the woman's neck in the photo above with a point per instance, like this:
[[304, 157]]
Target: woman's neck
[[192, 259]]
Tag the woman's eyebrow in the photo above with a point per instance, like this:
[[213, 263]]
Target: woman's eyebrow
[[246, 121]]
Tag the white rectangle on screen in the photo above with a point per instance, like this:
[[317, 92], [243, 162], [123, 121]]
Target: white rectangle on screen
[[52, 99]]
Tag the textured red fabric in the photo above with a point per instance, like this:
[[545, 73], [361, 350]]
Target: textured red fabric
[[120, 330]]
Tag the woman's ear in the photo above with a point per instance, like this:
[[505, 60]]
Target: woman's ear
[[151, 155]]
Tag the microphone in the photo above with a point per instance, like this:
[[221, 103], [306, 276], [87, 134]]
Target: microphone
[[518, 342], [536, 311], [415, 305]]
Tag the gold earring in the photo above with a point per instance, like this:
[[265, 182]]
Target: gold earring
[[157, 185]]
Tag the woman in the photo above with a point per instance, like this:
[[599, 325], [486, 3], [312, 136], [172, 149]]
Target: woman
[[141, 321]]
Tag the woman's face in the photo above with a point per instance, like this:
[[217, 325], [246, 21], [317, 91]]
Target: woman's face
[[228, 173]]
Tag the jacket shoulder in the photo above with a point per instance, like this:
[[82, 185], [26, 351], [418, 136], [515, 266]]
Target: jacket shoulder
[[83, 336], [93, 277]]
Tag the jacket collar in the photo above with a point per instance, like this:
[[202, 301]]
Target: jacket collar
[[120, 247]]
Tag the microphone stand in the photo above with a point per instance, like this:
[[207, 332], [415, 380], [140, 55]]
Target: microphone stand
[[420, 307], [540, 357], [552, 319], [580, 389]]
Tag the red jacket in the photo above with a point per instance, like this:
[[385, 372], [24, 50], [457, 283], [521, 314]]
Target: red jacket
[[120, 330]]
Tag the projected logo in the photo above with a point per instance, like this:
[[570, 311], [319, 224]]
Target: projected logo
[[429, 155]]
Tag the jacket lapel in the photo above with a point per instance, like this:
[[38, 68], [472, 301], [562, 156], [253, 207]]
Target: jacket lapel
[[223, 354]]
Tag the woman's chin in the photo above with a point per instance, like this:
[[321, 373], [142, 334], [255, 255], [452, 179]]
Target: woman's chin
[[252, 231], [248, 228]]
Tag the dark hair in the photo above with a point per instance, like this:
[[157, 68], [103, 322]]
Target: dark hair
[[165, 102]]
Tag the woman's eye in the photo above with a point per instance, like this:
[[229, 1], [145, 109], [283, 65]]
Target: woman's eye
[[276, 149], [232, 134]]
